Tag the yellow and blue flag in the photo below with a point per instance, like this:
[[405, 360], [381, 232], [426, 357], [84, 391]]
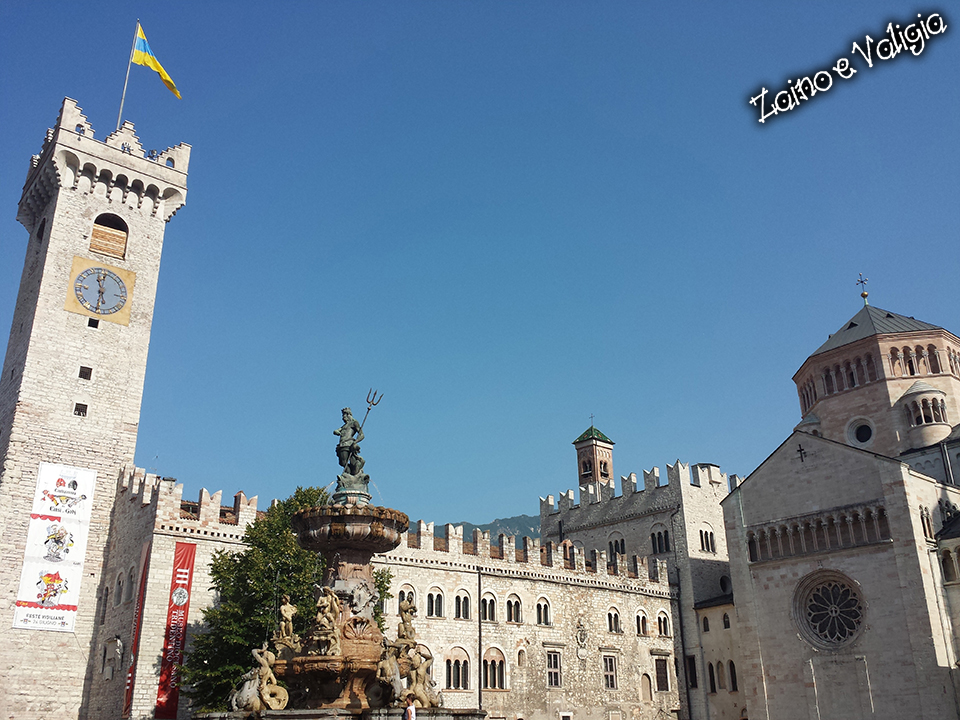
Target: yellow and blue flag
[[142, 55]]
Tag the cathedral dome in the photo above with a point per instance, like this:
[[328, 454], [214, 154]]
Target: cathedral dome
[[883, 382]]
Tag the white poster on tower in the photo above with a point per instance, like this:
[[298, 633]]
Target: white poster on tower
[[56, 545]]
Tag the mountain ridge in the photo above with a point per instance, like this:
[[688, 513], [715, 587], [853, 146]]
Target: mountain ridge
[[518, 526]]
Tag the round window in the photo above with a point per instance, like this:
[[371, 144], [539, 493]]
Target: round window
[[828, 609], [860, 432]]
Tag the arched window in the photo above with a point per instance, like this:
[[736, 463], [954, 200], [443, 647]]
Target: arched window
[[850, 375], [712, 677], [660, 539], [543, 611], [949, 568], [488, 608], [458, 670], [494, 675], [641, 624], [435, 603], [733, 677], [613, 621], [726, 621], [109, 236], [461, 606], [706, 624], [406, 594], [663, 624], [721, 677], [911, 361], [513, 610], [118, 590], [131, 581], [521, 657], [646, 688], [615, 545], [707, 541]]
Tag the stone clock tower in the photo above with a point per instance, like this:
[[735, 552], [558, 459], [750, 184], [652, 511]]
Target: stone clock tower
[[70, 395]]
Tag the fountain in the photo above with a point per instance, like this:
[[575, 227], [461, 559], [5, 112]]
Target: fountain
[[343, 665]]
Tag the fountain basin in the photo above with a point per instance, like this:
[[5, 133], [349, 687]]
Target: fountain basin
[[360, 528]]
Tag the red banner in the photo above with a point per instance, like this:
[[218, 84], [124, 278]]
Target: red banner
[[135, 635], [178, 608]]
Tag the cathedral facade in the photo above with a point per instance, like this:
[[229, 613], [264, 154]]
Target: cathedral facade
[[843, 542]]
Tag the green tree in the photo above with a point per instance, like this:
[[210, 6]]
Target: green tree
[[381, 580], [250, 585]]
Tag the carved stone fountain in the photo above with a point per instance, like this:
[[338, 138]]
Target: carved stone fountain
[[339, 667], [344, 666], [335, 666]]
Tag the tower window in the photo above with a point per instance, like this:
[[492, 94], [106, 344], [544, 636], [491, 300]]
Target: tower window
[[692, 671], [93, 322], [109, 236], [85, 372], [80, 410]]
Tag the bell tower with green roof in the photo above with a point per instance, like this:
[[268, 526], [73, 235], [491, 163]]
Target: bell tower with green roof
[[594, 459]]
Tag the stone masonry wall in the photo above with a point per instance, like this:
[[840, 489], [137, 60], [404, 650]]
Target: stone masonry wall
[[890, 562], [580, 603], [683, 507], [151, 510], [69, 184]]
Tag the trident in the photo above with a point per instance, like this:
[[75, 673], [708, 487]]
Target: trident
[[372, 400]]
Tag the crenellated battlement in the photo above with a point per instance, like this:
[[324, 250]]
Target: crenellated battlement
[[162, 499], [679, 476], [644, 508], [117, 169], [522, 555]]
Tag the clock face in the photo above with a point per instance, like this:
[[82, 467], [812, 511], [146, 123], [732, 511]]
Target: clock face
[[100, 291]]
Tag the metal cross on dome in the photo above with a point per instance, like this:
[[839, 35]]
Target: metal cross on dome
[[862, 282]]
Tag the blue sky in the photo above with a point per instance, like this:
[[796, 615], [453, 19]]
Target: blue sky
[[506, 217]]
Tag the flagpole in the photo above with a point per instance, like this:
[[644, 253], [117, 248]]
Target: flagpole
[[127, 78]]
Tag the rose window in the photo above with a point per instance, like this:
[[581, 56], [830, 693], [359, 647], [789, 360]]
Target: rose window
[[829, 609]]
